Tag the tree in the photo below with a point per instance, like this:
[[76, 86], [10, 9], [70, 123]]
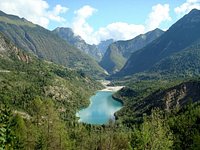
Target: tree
[[153, 134], [18, 128], [7, 138]]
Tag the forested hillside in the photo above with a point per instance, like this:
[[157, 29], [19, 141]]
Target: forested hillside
[[46, 45]]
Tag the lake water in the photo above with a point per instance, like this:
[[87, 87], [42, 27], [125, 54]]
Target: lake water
[[101, 109]]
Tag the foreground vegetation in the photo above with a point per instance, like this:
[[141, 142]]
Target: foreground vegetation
[[179, 130]]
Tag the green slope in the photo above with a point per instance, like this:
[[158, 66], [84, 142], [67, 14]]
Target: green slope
[[118, 52], [184, 63], [181, 35], [46, 45]]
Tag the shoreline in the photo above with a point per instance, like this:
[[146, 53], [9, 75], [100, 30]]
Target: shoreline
[[118, 99], [107, 88], [110, 88]]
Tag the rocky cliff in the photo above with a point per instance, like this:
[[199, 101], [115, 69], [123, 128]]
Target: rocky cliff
[[174, 97]]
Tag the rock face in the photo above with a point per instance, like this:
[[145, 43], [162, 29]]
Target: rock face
[[103, 45], [175, 97], [8, 51], [181, 35], [118, 52], [68, 35]]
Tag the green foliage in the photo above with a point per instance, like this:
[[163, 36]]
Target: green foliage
[[7, 138], [185, 127], [184, 63], [16, 22], [154, 134]]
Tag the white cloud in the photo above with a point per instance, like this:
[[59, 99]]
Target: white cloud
[[85, 12], [119, 31], [187, 7], [54, 15], [36, 11], [159, 14], [80, 25], [39, 12]]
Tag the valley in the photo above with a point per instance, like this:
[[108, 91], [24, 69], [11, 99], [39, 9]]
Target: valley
[[58, 91]]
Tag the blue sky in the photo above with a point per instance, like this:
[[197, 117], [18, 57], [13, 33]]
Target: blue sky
[[96, 20], [109, 11]]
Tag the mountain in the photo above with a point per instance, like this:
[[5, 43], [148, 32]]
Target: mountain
[[181, 35], [68, 35], [46, 44], [118, 52], [103, 45], [183, 63]]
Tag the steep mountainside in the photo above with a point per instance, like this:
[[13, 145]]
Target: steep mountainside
[[118, 52], [103, 45], [183, 63], [68, 35], [181, 35], [46, 45]]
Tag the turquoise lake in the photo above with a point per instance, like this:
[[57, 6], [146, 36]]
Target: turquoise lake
[[101, 109]]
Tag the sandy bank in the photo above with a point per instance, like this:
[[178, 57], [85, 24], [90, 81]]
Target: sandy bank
[[112, 88]]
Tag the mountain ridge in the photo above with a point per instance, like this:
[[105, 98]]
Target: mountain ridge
[[68, 35], [179, 36], [118, 52], [46, 45]]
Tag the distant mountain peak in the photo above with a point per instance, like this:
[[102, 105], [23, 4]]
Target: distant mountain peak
[[158, 29], [2, 13], [69, 36], [194, 11]]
